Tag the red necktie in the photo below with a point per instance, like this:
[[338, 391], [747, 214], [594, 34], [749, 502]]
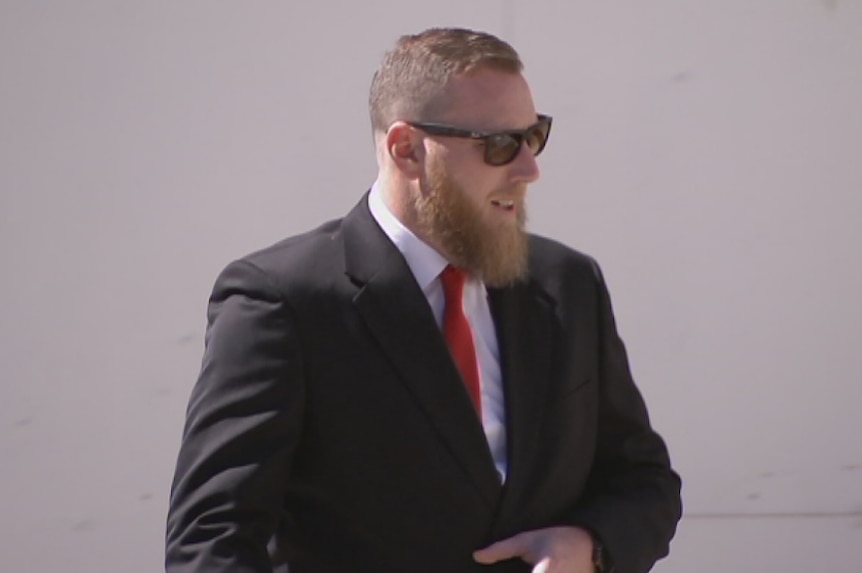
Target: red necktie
[[459, 337]]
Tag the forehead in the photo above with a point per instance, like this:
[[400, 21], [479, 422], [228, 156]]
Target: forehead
[[488, 99]]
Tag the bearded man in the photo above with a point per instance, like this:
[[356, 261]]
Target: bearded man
[[422, 386]]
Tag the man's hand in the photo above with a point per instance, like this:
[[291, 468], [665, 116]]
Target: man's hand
[[551, 550]]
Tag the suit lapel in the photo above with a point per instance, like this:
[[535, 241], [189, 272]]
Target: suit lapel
[[524, 319], [398, 316]]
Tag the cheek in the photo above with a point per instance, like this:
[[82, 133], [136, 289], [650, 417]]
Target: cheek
[[481, 184], [469, 173], [478, 193]]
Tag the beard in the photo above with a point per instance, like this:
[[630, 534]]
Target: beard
[[493, 251]]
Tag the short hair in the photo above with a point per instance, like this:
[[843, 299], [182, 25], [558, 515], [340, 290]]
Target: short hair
[[411, 82]]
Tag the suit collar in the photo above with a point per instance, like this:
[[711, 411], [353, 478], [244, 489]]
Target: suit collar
[[424, 261], [392, 304], [397, 314], [526, 334]]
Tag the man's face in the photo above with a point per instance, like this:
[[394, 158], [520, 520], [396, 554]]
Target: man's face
[[472, 211]]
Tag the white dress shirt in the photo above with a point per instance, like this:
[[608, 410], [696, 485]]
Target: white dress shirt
[[426, 265]]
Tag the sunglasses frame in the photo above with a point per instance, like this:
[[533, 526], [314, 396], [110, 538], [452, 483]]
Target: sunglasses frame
[[519, 135]]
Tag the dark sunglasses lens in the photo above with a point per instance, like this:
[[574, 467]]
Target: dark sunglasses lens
[[538, 137], [501, 148]]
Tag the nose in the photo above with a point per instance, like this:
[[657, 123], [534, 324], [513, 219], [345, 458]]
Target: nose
[[525, 168]]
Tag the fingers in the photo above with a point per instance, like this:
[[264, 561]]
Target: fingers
[[520, 545], [560, 549]]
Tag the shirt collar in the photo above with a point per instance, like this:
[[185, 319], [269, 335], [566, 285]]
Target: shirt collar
[[425, 263]]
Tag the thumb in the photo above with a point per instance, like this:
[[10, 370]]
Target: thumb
[[516, 546], [542, 566]]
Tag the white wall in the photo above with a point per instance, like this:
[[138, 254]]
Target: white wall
[[708, 153]]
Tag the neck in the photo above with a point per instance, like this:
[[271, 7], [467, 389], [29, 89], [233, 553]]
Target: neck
[[397, 195]]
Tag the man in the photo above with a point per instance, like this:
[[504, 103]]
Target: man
[[421, 386]]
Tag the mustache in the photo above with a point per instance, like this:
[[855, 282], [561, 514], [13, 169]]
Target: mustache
[[517, 194]]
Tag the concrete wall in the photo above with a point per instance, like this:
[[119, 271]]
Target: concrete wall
[[708, 153]]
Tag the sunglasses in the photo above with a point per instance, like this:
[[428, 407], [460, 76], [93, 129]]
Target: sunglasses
[[501, 147]]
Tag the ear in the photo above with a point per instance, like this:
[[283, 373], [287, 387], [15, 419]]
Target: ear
[[405, 149]]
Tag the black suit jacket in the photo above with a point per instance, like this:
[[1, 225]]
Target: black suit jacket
[[329, 426]]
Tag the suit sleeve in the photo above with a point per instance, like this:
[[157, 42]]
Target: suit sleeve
[[242, 424], [632, 500]]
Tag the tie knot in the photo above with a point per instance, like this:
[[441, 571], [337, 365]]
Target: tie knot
[[453, 281]]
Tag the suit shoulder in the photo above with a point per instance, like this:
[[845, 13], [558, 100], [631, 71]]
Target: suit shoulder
[[281, 266], [548, 256], [570, 278], [296, 248]]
